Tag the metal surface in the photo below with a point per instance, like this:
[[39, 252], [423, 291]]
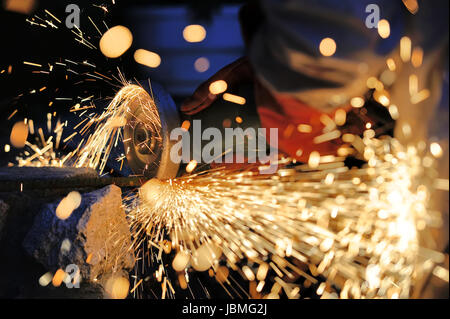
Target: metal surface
[[16, 179]]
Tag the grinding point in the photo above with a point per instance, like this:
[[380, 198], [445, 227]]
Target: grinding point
[[147, 133]]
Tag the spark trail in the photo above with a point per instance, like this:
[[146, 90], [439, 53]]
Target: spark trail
[[354, 230]]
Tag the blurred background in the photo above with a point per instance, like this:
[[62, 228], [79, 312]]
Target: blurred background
[[156, 25]]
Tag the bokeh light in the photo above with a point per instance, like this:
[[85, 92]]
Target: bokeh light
[[194, 33], [357, 102], [436, 149], [218, 87], [201, 65], [327, 47], [67, 205], [147, 58], [20, 6], [384, 29], [117, 287], [116, 41], [234, 98], [19, 134]]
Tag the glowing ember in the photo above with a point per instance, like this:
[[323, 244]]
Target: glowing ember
[[405, 49], [58, 278], [384, 29], [19, 134], [229, 209], [181, 261], [45, 279], [205, 256], [116, 41], [191, 166], [20, 6], [152, 190], [218, 87], [186, 125], [357, 102], [234, 98], [147, 58], [314, 159], [67, 205], [194, 33], [117, 287], [417, 57], [340, 117], [304, 128], [327, 47], [436, 150], [411, 5]]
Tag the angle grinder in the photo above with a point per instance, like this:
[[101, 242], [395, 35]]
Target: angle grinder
[[147, 146]]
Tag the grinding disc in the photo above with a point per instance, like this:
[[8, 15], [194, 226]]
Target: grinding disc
[[151, 118]]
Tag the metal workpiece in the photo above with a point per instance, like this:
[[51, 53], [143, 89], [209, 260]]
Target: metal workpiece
[[59, 179]]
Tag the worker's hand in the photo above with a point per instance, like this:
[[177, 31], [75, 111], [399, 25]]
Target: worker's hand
[[281, 111], [275, 111], [233, 74]]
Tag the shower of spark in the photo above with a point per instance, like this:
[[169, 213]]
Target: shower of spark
[[107, 132], [356, 228], [45, 151], [354, 233]]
